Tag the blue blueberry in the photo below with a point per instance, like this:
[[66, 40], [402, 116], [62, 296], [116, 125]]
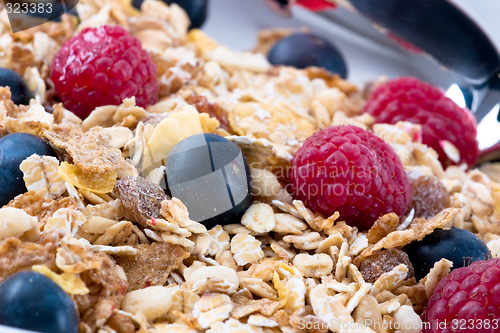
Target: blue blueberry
[[18, 88], [303, 50], [210, 175], [32, 301], [14, 148], [197, 10], [460, 246]]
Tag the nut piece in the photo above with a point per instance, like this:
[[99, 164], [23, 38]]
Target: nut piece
[[409, 321], [140, 198], [15, 222], [314, 265], [259, 218], [384, 261], [153, 302]]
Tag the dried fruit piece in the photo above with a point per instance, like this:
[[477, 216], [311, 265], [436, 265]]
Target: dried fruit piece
[[384, 261], [213, 109], [429, 197], [95, 182], [140, 198]]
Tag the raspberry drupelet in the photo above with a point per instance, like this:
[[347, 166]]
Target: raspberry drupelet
[[102, 66], [468, 300], [408, 99], [352, 171]]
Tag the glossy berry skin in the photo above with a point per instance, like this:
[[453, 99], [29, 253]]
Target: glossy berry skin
[[408, 99], [468, 299], [102, 66], [197, 10], [15, 148], [210, 175], [316, 5], [303, 50], [352, 171], [460, 246], [32, 301], [18, 88]]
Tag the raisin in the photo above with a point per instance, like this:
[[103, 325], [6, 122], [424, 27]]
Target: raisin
[[429, 197], [140, 198], [213, 109], [384, 261]]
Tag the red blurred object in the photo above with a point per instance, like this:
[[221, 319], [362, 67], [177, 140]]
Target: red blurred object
[[404, 44], [316, 5]]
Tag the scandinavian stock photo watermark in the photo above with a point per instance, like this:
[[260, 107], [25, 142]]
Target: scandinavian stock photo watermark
[[27, 14]]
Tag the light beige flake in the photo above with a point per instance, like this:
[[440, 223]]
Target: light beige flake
[[172, 328], [358, 296], [41, 174], [259, 288], [15, 222], [382, 227], [112, 210], [152, 302], [408, 320], [288, 224], [216, 273], [66, 219], [368, 311], [259, 218], [440, 270], [115, 250], [74, 259], [163, 225], [494, 246], [359, 244], [212, 308], [261, 321], [234, 326], [390, 280], [170, 131], [316, 265], [175, 212], [246, 249], [306, 241], [116, 234], [296, 299], [423, 228], [332, 240], [393, 304], [220, 240]]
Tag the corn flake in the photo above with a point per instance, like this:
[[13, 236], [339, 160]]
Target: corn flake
[[69, 282]]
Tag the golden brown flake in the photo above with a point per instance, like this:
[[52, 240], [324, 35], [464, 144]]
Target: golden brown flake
[[152, 264]]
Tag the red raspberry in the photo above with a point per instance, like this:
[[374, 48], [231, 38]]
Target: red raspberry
[[352, 171], [408, 99], [102, 66], [468, 299]]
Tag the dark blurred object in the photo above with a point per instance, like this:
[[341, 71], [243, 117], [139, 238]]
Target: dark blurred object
[[197, 10], [303, 50], [18, 88]]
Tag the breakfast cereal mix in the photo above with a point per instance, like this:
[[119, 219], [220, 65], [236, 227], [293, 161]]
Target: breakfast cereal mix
[[97, 221]]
